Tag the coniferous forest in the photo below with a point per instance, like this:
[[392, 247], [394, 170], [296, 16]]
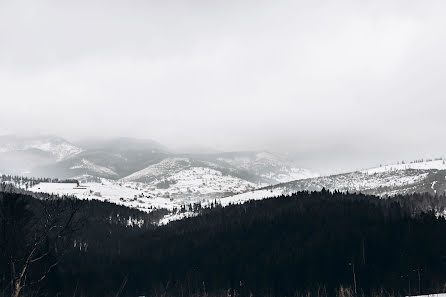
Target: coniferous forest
[[320, 243]]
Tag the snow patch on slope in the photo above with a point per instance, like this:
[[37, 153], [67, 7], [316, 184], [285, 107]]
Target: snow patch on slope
[[384, 184], [190, 186], [291, 174], [175, 217], [253, 195], [109, 191], [85, 164], [203, 180], [60, 150], [434, 164], [156, 171], [271, 166]]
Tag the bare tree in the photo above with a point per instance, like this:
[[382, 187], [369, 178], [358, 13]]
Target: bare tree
[[35, 236]]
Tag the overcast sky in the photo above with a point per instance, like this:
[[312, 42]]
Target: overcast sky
[[336, 83]]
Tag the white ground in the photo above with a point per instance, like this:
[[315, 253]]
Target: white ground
[[253, 195], [194, 181], [434, 164], [175, 217], [108, 191], [194, 185]]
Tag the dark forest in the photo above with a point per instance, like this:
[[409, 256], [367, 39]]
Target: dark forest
[[315, 242]]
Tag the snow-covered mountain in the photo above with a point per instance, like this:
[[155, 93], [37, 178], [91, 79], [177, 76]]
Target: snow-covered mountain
[[272, 167], [21, 155], [175, 181], [152, 164], [421, 176], [91, 167], [187, 187], [144, 175], [180, 176], [148, 165], [112, 159], [55, 146], [231, 171], [438, 164], [159, 171]]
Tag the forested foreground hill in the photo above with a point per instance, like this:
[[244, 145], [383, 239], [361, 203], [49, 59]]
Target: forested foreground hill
[[309, 242]]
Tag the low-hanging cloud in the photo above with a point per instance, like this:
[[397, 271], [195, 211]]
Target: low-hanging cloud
[[353, 83]]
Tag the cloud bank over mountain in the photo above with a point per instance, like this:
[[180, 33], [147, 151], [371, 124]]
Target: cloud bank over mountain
[[350, 82]]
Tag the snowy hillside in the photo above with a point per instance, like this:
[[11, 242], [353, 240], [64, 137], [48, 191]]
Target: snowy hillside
[[91, 167], [272, 167], [142, 173], [106, 190], [159, 170], [194, 185], [438, 164], [175, 182], [265, 168], [144, 161], [182, 175], [56, 146], [429, 176]]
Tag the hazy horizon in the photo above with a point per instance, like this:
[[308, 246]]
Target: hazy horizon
[[338, 85], [319, 161]]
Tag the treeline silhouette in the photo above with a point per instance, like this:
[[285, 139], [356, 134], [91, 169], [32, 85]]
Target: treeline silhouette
[[28, 182], [307, 242]]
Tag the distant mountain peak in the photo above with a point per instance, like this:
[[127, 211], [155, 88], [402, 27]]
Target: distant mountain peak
[[56, 146]]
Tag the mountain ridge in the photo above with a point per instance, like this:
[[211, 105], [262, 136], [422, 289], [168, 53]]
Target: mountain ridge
[[128, 160], [416, 177]]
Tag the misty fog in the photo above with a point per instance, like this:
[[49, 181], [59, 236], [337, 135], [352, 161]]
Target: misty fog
[[337, 84]]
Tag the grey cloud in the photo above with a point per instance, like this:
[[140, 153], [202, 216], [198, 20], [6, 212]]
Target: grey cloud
[[306, 77]]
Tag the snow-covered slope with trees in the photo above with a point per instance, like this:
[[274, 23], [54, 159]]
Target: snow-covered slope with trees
[[147, 165], [420, 176], [136, 160], [91, 167], [272, 167], [158, 171], [180, 183], [438, 164]]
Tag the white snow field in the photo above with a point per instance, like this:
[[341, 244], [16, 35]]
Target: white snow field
[[108, 191], [438, 164], [253, 195], [193, 185]]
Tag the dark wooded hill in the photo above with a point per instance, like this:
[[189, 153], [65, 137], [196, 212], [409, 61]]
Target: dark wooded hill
[[273, 247]]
